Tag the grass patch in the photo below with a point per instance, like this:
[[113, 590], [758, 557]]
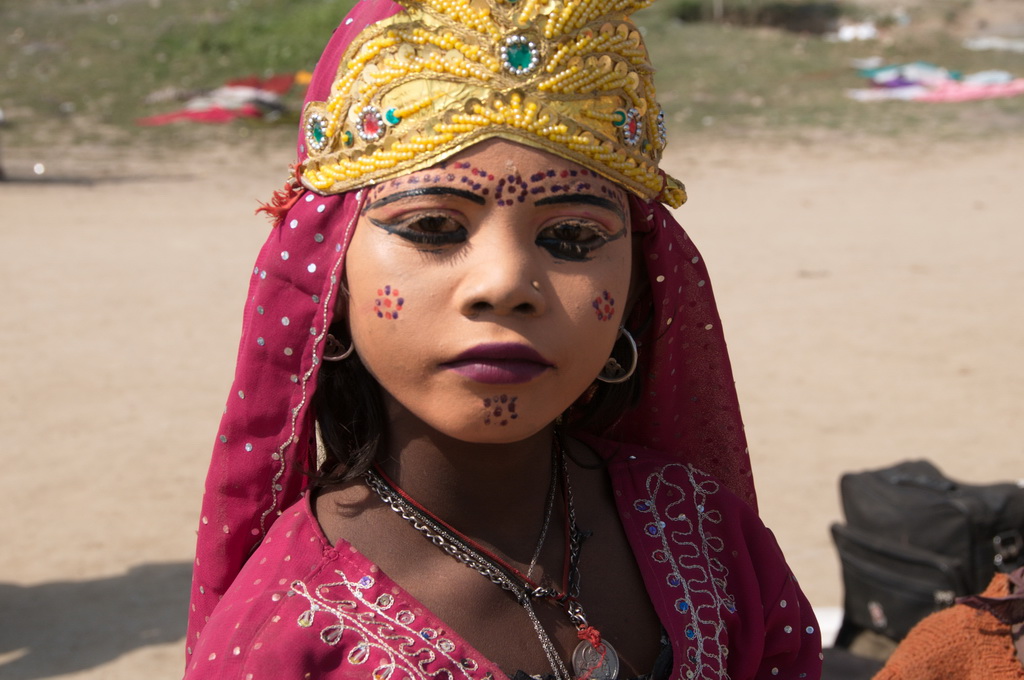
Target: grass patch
[[80, 71], [725, 80], [73, 65]]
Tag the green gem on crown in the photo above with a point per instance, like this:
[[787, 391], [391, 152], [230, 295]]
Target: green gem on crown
[[519, 54], [316, 135], [392, 117]]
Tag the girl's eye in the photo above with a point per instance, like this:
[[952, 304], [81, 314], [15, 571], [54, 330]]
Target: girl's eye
[[572, 240], [428, 230]]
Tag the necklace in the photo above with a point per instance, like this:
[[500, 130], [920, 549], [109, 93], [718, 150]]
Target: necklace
[[549, 508], [593, 659]]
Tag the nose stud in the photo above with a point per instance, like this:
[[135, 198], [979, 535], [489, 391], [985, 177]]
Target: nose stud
[[535, 284]]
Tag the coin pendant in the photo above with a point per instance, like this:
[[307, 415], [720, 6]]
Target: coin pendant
[[587, 658]]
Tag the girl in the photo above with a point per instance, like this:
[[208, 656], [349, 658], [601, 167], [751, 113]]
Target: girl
[[483, 422]]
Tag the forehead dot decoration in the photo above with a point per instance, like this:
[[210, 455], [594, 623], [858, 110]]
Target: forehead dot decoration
[[571, 77]]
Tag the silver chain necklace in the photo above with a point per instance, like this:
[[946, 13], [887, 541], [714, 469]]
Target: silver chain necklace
[[592, 658], [549, 509]]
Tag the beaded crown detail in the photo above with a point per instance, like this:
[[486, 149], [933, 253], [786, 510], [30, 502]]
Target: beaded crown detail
[[571, 77]]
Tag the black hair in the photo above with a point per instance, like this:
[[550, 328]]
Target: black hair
[[350, 413]]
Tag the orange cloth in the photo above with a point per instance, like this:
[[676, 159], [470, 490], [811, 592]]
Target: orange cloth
[[959, 643]]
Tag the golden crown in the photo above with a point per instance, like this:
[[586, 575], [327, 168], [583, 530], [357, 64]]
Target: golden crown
[[567, 76]]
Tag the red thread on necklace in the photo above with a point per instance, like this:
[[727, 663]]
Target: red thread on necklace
[[561, 597], [593, 636]]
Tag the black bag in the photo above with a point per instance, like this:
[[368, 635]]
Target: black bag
[[889, 587], [915, 541]]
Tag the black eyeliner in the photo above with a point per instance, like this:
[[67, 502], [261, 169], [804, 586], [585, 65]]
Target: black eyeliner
[[418, 237], [578, 251], [588, 199], [427, 191]]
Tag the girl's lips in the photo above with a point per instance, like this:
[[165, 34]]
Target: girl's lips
[[496, 372], [499, 364]]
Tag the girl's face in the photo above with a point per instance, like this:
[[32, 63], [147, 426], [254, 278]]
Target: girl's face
[[486, 293]]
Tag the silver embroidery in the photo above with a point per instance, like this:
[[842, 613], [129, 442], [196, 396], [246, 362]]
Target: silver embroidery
[[406, 652], [689, 548]]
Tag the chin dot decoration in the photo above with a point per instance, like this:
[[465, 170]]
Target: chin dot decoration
[[571, 77]]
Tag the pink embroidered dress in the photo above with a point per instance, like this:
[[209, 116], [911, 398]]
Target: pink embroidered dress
[[271, 598], [303, 608]]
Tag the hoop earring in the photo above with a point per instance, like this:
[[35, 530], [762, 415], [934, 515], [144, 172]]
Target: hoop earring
[[613, 372], [333, 351]]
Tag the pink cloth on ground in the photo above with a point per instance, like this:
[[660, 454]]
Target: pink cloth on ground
[[962, 92]]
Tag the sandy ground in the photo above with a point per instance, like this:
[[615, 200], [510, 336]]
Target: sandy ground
[[871, 298]]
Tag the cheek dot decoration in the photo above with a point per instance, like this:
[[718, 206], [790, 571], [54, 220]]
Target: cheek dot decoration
[[500, 409], [605, 306], [388, 303]]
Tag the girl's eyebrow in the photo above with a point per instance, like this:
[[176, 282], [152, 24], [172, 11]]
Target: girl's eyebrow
[[427, 191], [589, 199]]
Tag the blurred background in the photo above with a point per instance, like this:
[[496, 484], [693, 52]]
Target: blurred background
[[854, 172]]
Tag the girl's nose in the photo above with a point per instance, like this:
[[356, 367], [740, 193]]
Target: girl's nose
[[502, 276]]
